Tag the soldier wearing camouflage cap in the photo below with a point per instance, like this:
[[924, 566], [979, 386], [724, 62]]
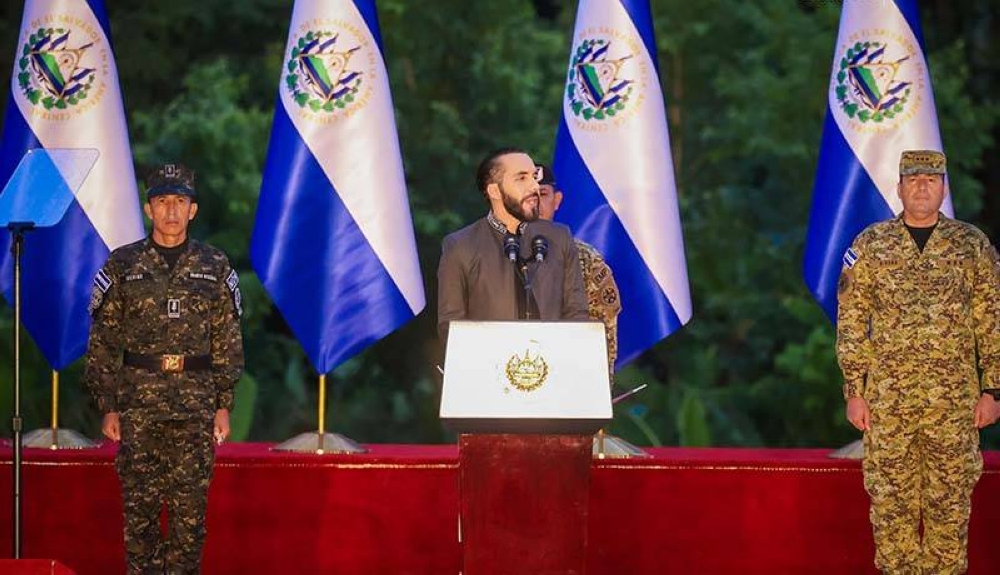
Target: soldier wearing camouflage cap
[[165, 352], [919, 301]]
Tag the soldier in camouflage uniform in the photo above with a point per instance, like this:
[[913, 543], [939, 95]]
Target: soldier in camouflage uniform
[[919, 299], [603, 299], [164, 354]]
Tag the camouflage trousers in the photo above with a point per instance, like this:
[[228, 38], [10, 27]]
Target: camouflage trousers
[[920, 468], [164, 462]]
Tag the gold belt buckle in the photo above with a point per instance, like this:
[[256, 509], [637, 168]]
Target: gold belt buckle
[[172, 363]]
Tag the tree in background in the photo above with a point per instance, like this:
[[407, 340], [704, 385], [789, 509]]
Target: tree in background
[[746, 86]]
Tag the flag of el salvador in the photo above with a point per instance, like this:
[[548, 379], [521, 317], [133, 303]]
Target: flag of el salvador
[[880, 103], [65, 94], [333, 240], [613, 163]]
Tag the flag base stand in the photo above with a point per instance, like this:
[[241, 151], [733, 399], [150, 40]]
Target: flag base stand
[[56, 438], [608, 446], [320, 443], [853, 450]]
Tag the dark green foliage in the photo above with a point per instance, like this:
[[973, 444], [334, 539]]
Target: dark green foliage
[[746, 88]]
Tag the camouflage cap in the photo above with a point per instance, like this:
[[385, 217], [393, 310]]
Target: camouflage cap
[[921, 162], [545, 176], [171, 179]]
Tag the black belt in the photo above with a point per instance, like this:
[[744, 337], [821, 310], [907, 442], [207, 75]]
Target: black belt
[[168, 362]]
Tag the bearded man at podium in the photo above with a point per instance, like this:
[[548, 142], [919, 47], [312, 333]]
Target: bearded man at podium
[[509, 264]]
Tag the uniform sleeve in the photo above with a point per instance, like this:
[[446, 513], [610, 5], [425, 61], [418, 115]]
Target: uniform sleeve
[[574, 304], [854, 298], [103, 364], [227, 340], [611, 310], [603, 297], [452, 288], [986, 314]]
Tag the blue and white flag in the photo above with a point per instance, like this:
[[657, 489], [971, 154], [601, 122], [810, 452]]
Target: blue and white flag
[[880, 103], [64, 94], [333, 240], [612, 159]]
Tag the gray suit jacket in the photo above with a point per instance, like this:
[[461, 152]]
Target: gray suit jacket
[[476, 281]]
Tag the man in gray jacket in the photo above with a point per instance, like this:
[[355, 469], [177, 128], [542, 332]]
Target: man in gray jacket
[[485, 266]]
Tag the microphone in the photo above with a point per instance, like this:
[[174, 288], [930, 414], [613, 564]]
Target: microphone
[[511, 247], [539, 248]]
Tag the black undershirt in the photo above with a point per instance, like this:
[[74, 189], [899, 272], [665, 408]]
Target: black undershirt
[[170, 255], [920, 235]]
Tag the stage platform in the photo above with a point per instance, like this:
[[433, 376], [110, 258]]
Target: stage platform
[[394, 511]]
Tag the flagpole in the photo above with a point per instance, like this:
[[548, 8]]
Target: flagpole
[[320, 425], [16, 421], [320, 442], [55, 403]]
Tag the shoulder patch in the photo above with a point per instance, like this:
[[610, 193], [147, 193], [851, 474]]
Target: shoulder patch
[[850, 258], [96, 299], [233, 283], [102, 283], [609, 295]]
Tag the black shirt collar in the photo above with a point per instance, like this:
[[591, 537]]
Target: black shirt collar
[[499, 226]]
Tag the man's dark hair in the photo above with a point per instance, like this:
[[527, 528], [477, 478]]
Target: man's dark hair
[[489, 169]]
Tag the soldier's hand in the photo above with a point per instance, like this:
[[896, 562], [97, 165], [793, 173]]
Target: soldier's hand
[[111, 426], [987, 411], [858, 414], [221, 425]]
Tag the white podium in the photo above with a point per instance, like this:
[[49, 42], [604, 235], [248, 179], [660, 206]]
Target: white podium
[[526, 377], [527, 397]]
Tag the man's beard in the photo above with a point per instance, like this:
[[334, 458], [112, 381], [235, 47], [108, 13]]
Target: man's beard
[[516, 208]]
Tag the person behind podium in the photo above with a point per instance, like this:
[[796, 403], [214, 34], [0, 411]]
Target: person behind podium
[[603, 298], [485, 266], [164, 354]]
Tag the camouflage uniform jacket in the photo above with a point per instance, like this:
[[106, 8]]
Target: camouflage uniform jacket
[[603, 299], [911, 324], [142, 306]]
